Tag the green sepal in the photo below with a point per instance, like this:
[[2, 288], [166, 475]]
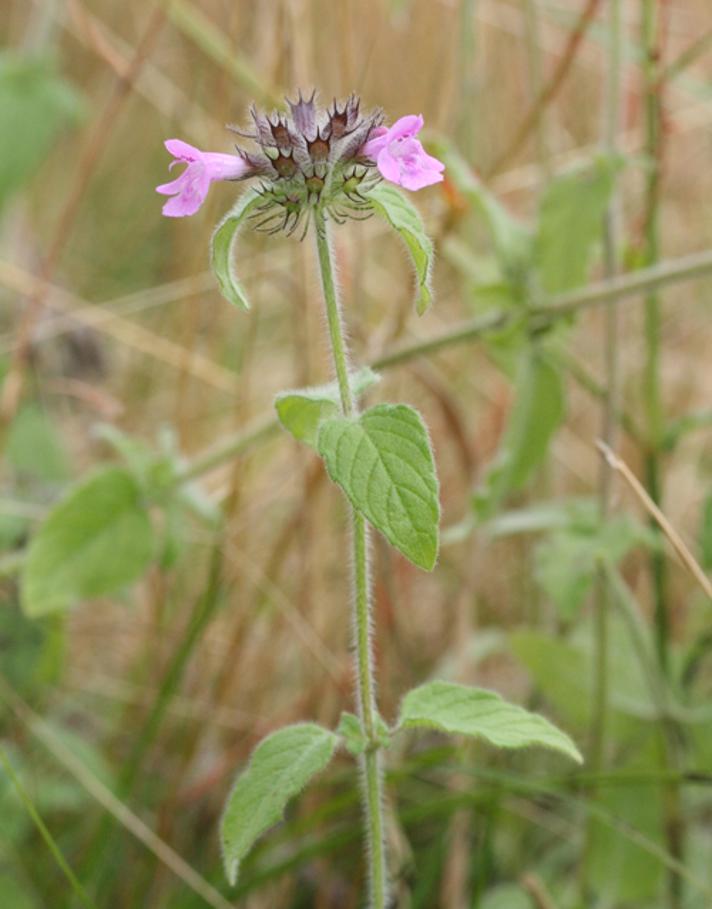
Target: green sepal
[[405, 219], [222, 247]]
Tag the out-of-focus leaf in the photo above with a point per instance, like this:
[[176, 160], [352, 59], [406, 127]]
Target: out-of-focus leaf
[[33, 447], [570, 220], [563, 670], [506, 896], [16, 894], [35, 104], [621, 870], [512, 240], [566, 560], [95, 541], [706, 534], [538, 410]]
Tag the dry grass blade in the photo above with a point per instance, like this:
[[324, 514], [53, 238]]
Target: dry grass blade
[[122, 330], [106, 798], [676, 541]]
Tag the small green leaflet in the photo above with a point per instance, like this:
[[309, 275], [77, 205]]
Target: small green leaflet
[[95, 541], [353, 737], [280, 767], [403, 217], [461, 710], [222, 248], [383, 462], [302, 411]]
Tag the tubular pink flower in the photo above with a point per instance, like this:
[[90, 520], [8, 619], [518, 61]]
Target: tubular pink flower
[[191, 187], [400, 157]]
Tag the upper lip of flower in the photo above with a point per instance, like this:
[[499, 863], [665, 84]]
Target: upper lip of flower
[[400, 157]]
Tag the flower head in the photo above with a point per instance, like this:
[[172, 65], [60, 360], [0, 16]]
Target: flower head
[[307, 156], [400, 157], [191, 187]]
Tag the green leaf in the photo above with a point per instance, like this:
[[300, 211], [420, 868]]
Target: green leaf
[[461, 710], [539, 407], [570, 220], [566, 561], [354, 738], [222, 247], [349, 729], [706, 533], [302, 411], [383, 462], [403, 217], [34, 447], [622, 870], [280, 767], [35, 104], [95, 541]]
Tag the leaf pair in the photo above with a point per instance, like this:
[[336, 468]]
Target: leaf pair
[[382, 460], [385, 200], [283, 764]]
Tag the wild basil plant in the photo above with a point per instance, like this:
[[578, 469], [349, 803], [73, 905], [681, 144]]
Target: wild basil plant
[[312, 169]]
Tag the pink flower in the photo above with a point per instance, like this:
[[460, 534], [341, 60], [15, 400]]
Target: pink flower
[[400, 157], [191, 187]]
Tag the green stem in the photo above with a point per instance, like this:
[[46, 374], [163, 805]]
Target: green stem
[[654, 84], [50, 841], [371, 765], [652, 391]]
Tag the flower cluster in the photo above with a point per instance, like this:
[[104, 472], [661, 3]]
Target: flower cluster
[[305, 158]]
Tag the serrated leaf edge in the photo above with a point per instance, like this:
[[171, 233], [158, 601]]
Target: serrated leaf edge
[[232, 866], [570, 749]]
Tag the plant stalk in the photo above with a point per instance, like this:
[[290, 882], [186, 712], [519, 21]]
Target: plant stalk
[[365, 682], [652, 390]]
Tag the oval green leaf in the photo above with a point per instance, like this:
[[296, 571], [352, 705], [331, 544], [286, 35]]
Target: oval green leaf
[[384, 464], [93, 542], [461, 710], [222, 248], [404, 218], [280, 767]]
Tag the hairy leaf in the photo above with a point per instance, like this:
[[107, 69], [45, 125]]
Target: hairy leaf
[[95, 541], [383, 462], [222, 248], [280, 767], [458, 709], [302, 411], [403, 217]]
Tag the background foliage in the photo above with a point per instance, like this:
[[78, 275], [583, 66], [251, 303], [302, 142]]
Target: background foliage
[[170, 579]]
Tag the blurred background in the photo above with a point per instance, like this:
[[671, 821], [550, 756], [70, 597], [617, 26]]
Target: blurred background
[[194, 597]]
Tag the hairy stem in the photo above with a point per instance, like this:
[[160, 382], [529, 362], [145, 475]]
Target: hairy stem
[[366, 697]]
